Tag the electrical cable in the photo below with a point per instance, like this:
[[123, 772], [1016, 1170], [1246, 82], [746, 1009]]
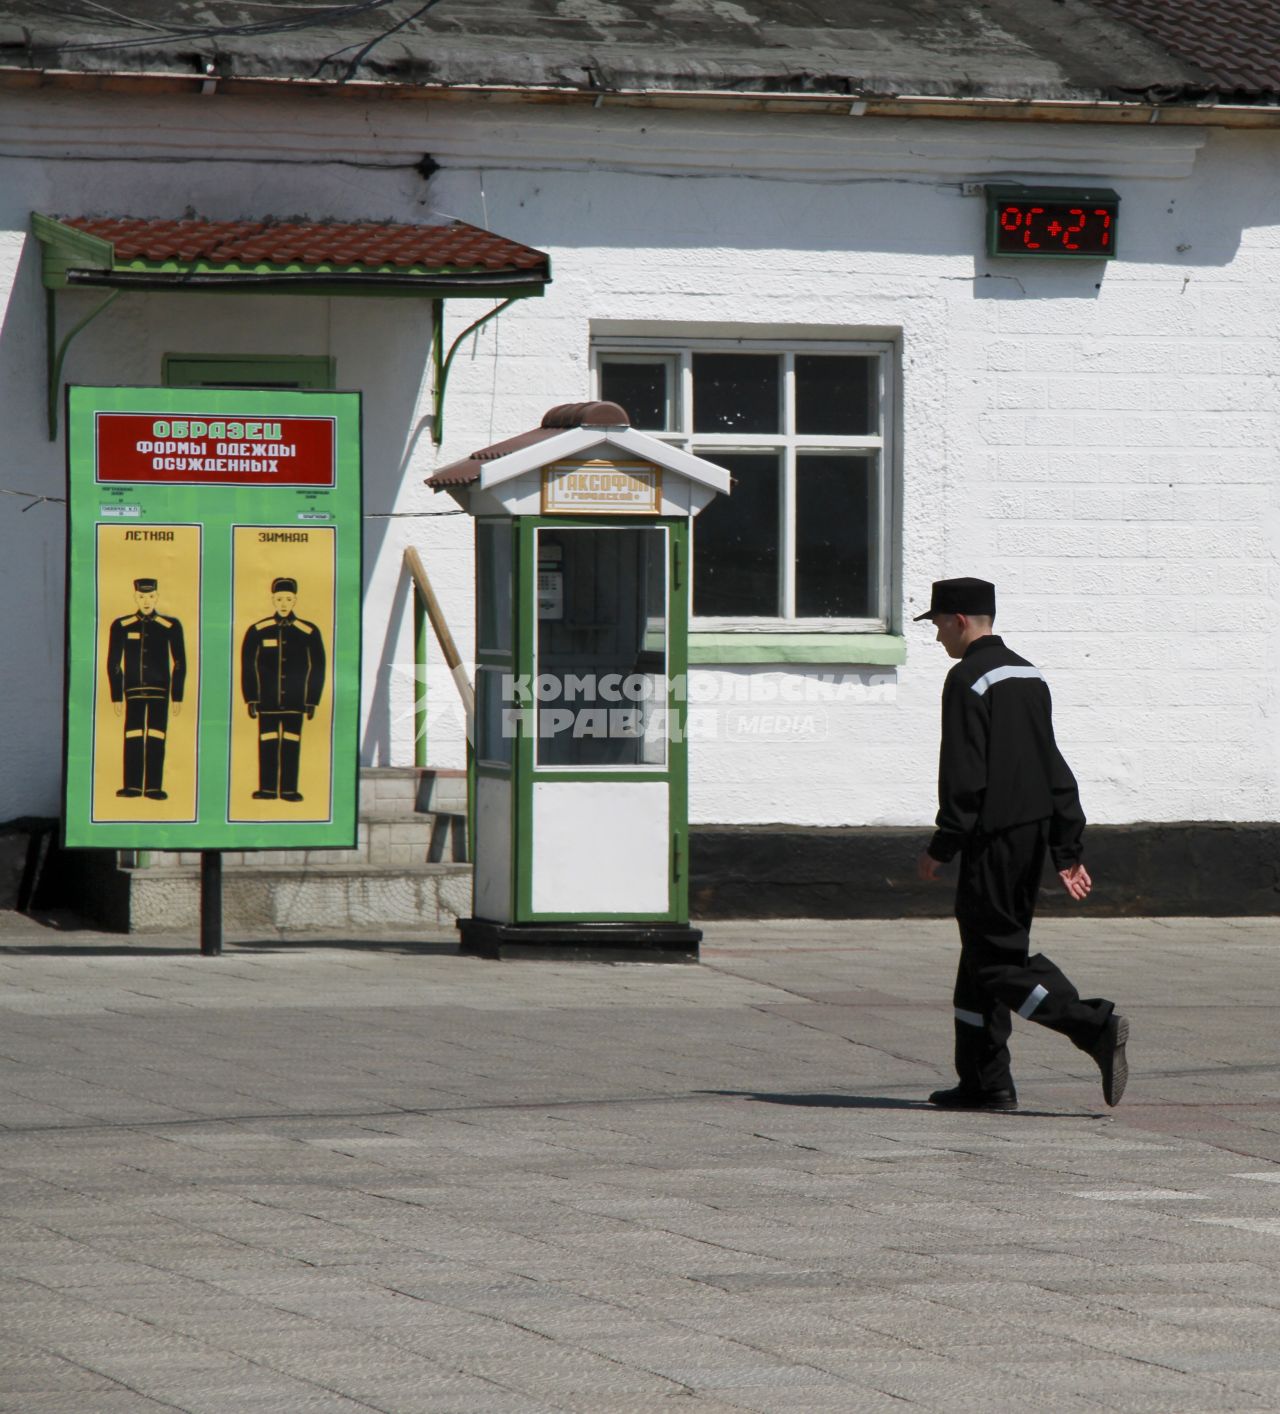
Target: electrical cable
[[326, 15]]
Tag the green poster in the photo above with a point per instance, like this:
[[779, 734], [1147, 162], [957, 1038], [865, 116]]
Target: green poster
[[213, 618]]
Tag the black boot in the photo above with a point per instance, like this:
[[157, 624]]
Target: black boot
[[968, 1097], [1108, 1051]]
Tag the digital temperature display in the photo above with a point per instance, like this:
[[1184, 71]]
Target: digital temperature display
[[1073, 223]]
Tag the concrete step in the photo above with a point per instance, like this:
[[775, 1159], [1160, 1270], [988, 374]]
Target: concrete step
[[382, 842], [409, 790], [337, 899], [408, 869]]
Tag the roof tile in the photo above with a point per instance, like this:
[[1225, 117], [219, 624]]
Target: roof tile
[[363, 244], [1235, 42]]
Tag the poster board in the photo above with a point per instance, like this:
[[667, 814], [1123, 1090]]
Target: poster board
[[213, 618]]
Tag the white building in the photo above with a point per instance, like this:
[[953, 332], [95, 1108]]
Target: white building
[[770, 244]]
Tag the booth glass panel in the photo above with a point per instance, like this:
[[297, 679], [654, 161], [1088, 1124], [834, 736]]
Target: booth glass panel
[[601, 666], [495, 721], [493, 587]]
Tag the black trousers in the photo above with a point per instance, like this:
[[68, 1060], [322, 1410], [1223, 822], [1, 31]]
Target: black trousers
[[146, 724], [995, 903], [279, 751]]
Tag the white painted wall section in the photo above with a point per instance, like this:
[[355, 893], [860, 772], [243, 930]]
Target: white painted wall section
[[1101, 441]]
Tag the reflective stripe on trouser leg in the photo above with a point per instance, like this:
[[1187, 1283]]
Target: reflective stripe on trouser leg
[[1034, 988], [1034, 997], [982, 1028]]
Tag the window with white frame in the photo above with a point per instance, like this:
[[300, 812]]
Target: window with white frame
[[804, 539]]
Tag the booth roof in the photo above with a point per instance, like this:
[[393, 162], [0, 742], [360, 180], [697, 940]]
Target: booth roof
[[367, 245], [557, 421]]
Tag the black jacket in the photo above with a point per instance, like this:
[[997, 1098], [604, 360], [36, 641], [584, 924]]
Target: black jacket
[[999, 764], [282, 664], [146, 657]]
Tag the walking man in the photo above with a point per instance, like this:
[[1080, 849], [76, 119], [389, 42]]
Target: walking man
[[282, 669], [1005, 798], [146, 670]]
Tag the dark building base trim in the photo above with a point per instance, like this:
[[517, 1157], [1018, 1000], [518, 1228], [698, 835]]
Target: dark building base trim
[[580, 942], [1195, 869]]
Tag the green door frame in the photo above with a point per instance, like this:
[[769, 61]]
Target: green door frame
[[676, 772]]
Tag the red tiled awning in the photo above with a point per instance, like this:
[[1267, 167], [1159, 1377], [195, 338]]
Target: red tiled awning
[[155, 253]]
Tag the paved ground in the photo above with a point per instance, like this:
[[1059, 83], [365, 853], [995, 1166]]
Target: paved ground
[[337, 1176]]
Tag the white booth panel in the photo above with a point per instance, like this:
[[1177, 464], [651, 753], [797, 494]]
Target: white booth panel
[[601, 847], [492, 888]]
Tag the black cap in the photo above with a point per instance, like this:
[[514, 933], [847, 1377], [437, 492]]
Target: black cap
[[284, 585], [146, 586], [961, 596]]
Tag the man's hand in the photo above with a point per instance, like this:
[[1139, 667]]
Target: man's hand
[[1076, 881], [177, 709], [253, 708], [117, 708], [311, 711], [927, 867]]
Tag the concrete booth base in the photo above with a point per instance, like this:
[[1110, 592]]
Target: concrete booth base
[[580, 942]]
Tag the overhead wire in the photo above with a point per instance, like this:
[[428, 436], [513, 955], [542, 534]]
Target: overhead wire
[[314, 17]]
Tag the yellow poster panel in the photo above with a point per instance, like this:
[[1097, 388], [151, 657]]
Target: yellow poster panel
[[283, 606], [147, 679]]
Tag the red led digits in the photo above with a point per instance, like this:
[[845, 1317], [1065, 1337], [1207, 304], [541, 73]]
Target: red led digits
[[1026, 235], [1106, 226], [1052, 222], [1067, 242]]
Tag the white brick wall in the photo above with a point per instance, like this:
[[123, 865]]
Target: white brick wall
[[1099, 441]]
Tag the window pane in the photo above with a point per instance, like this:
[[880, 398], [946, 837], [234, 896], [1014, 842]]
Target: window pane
[[602, 646], [837, 512], [493, 586], [836, 395], [735, 392], [641, 389], [735, 556], [494, 727]]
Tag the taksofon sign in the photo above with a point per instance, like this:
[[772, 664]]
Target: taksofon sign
[[213, 619]]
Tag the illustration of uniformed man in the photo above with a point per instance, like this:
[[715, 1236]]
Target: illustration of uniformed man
[[147, 669], [282, 677]]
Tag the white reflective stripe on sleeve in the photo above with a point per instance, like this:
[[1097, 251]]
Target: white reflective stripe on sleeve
[[1034, 997], [971, 1018], [1001, 674]]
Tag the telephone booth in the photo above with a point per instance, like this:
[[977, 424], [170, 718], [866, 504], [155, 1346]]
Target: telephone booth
[[580, 803]]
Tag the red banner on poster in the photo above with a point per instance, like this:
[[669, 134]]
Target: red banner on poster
[[222, 451]]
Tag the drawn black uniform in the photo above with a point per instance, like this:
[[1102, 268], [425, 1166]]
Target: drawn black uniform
[[282, 671], [1006, 798], [147, 669]]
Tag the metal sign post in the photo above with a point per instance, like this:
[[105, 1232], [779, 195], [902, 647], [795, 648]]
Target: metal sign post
[[211, 902]]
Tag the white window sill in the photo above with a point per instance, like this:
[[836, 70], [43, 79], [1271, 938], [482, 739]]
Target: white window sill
[[875, 649]]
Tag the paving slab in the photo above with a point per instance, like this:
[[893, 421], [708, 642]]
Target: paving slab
[[319, 1173]]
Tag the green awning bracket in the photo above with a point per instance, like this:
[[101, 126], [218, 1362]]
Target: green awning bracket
[[56, 353], [76, 259], [442, 369]]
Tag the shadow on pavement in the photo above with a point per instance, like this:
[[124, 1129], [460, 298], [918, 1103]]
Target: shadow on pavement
[[255, 947], [822, 1101], [889, 1102]]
